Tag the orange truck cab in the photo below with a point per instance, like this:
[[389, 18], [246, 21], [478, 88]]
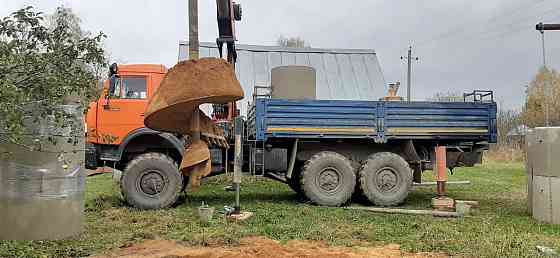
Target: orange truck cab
[[119, 112], [115, 122], [117, 137]]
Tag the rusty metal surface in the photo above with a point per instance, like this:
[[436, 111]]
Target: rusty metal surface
[[175, 108], [441, 169]]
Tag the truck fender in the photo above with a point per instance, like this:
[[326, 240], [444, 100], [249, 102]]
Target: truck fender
[[172, 139]]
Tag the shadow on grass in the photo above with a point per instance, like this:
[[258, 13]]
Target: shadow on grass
[[195, 199], [103, 202]]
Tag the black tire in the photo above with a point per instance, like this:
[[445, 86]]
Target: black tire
[[151, 181], [328, 179], [385, 179]]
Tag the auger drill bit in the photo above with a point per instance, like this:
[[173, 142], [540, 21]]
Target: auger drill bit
[[175, 108]]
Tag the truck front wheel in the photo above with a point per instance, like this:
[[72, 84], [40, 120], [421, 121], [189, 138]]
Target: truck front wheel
[[328, 179], [151, 181], [385, 179]]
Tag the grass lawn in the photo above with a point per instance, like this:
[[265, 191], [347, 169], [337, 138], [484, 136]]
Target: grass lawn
[[502, 227]]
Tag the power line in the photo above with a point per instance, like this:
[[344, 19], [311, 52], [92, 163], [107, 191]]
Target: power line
[[457, 30], [519, 25], [460, 29], [509, 29]]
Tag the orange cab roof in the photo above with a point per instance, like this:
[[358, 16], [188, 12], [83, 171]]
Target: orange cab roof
[[146, 68]]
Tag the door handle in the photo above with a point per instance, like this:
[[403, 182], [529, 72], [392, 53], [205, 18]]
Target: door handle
[[142, 114]]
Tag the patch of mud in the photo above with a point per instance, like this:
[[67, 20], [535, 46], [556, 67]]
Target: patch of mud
[[259, 247]]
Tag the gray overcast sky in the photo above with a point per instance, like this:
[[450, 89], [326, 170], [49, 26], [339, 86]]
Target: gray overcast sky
[[462, 45]]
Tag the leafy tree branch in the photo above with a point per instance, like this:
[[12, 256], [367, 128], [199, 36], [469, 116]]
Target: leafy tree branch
[[45, 59]]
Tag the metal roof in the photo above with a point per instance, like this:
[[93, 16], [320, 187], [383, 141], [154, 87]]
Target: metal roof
[[342, 74]]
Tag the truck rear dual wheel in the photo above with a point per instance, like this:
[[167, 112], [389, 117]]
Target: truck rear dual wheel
[[385, 179], [151, 181], [328, 179]]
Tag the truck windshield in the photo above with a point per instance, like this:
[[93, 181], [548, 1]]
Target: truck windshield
[[134, 87], [129, 87]]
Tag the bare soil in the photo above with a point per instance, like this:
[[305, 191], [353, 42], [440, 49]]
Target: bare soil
[[257, 247]]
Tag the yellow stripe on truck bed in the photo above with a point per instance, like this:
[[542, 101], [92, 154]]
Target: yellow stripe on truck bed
[[320, 130], [417, 131]]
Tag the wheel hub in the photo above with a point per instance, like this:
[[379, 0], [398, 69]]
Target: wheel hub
[[329, 179], [387, 179], [152, 183]]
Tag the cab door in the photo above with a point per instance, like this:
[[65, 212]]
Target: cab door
[[123, 111]]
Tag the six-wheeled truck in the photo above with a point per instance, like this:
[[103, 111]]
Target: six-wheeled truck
[[335, 149], [326, 150]]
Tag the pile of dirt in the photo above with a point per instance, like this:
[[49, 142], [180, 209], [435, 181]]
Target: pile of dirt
[[258, 247]]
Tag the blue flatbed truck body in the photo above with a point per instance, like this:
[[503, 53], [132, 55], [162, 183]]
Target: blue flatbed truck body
[[380, 121], [326, 149]]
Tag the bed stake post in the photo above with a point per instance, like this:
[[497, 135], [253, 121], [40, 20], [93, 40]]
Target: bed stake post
[[441, 168], [441, 201]]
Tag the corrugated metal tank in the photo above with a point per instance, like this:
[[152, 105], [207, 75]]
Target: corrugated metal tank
[[543, 170], [42, 182]]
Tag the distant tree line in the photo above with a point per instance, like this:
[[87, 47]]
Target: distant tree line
[[543, 89], [294, 42]]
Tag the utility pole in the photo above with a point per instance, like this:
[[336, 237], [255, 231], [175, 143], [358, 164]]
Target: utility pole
[[193, 30], [541, 27], [193, 55], [409, 59]]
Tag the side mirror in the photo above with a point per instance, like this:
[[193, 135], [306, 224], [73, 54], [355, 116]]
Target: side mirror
[[113, 69]]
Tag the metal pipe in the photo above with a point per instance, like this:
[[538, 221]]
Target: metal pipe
[[541, 26], [444, 214], [237, 164], [292, 159], [227, 161], [409, 75], [441, 167], [447, 183], [193, 30], [546, 84]]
